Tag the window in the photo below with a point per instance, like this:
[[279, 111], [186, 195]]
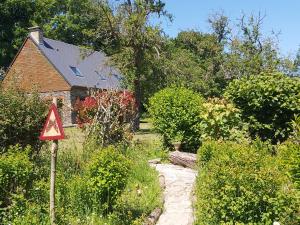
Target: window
[[46, 44], [76, 71], [117, 76]]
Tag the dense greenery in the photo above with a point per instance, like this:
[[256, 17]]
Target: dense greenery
[[175, 115], [244, 184], [221, 90], [107, 177], [21, 119], [16, 176], [221, 120], [291, 153], [94, 185], [268, 102]]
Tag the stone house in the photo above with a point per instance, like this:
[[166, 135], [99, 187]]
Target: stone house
[[54, 68]]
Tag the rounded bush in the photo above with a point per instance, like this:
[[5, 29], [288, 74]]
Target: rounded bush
[[175, 115], [268, 102]]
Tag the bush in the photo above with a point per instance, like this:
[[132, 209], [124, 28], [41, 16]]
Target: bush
[[268, 103], [16, 175], [244, 184], [290, 151], [107, 116], [221, 120], [21, 119], [175, 115], [107, 177]]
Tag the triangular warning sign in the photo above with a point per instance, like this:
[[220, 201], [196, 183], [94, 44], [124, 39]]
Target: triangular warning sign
[[53, 129]]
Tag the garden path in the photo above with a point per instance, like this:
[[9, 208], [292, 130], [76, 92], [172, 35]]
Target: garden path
[[179, 184]]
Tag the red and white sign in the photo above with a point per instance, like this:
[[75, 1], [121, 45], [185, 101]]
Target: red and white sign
[[53, 129]]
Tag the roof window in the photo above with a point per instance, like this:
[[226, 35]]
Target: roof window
[[76, 71], [46, 44], [117, 76]]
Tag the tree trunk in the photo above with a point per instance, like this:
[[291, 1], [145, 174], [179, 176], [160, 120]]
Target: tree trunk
[[138, 99], [138, 61], [183, 159]]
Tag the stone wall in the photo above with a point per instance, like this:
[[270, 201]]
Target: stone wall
[[64, 104]]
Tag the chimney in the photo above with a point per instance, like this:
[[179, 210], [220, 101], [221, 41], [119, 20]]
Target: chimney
[[36, 34]]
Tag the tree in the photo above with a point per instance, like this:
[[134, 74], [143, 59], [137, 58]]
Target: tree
[[250, 53], [139, 41], [193, 60], [15, 18], [219, 24]]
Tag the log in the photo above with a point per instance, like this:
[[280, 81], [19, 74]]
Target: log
[[183, 159], [152, 219]]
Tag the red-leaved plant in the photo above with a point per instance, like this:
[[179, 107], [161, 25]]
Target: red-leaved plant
[[107, 115]]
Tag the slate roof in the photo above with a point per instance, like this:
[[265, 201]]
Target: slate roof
[[92, 65]]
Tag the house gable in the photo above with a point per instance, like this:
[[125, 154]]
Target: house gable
[[31, 70]]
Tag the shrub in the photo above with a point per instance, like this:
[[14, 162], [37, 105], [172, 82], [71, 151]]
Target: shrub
[[244, 184], [21, 119], [107, 177], [16, 174], [107, 115], [175, 115], [268, 102], [290, 151], [221, 120]]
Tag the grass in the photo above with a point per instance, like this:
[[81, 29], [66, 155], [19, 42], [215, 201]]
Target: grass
[[146, 132]]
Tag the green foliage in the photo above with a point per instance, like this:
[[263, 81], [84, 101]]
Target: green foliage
[[107, 176], [175, 114], [142, 193], [15, 19], [249, 51], [244, 184], [192, 60], [21, 119], [296, 129], [268, 103], [16, 175], [290, 152], [221, 120]]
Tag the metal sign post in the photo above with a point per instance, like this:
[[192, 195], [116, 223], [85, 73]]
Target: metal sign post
[[53, 131]]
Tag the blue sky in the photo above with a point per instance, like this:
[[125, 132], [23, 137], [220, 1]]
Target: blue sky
[[281, 16]]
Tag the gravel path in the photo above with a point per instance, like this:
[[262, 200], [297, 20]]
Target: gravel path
[[179, 184]]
